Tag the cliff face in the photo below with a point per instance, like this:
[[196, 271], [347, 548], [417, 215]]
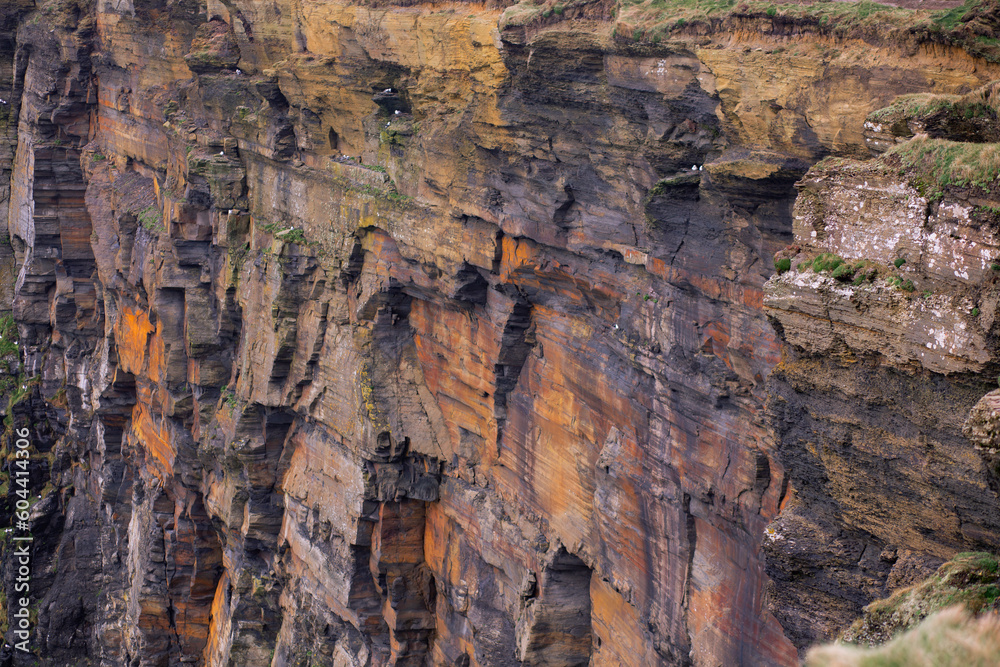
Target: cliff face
[[383, 335], [869, 403]]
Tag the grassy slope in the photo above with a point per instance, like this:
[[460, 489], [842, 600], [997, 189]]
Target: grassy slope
[[950, 638], [948, 620]]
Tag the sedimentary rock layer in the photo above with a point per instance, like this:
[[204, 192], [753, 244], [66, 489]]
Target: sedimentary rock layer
[[383, 335], [888, 354]]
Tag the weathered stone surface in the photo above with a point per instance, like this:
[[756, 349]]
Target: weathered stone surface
[[888, 352], [480, 382], [982, 429]]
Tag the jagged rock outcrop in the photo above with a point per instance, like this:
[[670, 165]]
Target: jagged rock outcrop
[[888, 303], [402, 338]]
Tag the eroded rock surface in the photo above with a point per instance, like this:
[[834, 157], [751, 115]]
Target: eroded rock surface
[[376, 336], [889, 351]]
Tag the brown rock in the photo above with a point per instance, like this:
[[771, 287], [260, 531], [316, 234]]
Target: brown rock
[[479, 383]]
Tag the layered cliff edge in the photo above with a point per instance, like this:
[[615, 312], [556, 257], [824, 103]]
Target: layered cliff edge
[[437, 333]]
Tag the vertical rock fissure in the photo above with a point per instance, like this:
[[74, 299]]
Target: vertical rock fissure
[[554, 625]]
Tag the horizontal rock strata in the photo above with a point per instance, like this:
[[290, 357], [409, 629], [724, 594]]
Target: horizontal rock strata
[[383, 335]]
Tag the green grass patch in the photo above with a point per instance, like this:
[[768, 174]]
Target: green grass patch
[[843, 273], [899, 283], [934, 164], [826, 261], [288, 234], [16, 389], [151, 218], [912, 106], [9, 343], [970, 579], [948, 638], [951, 18], [983, 102], [856, 273], [228, 397], [969, 25]]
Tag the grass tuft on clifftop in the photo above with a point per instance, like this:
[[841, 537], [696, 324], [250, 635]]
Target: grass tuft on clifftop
[[971, 117], [970, 579], [972, 26], [665, 16], [933, 164], [8, 336], [913, 106], [949, 638]]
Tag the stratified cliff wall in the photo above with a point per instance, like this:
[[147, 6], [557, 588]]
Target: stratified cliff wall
[[427, 334]]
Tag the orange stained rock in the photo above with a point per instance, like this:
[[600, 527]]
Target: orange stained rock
[[711, 286], [618, 629], [700, 447], [154, 437], [313, 568], [516, 255], [455, 37], [398, 538], [157, 355], [818, 86], [325, 475], [726, 610], [558, 419], [437, 539], [449, 525], [760, 343], [717, 339], [132, 332], [622, 524], [458, 353], [124, 136], [577, 459], [120, 37], [193, 581], [219, 627]]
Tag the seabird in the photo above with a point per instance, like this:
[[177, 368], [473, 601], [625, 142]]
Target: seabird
[[694, 167], [398, 112]]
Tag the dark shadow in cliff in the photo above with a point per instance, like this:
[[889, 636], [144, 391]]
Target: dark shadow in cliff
[[882, 486]]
